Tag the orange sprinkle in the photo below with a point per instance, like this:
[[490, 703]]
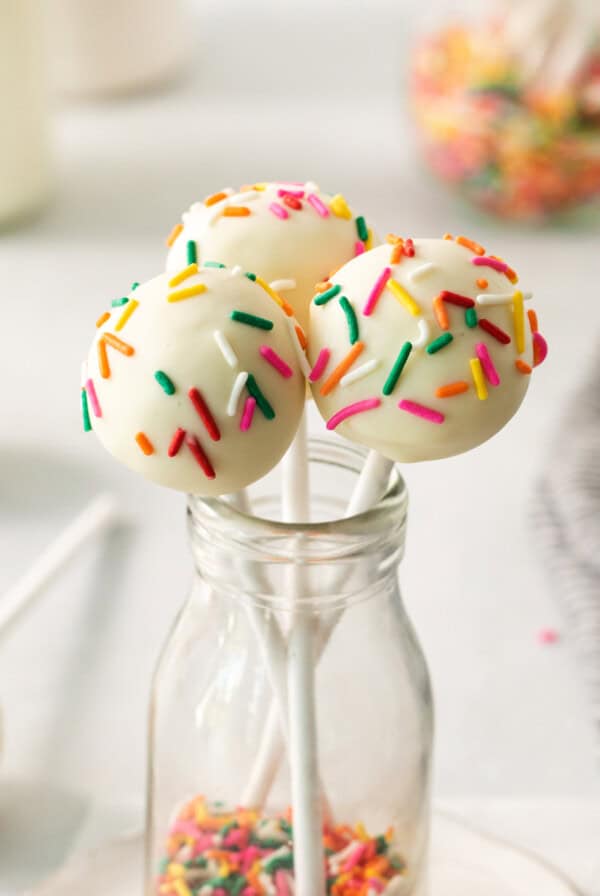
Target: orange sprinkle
[[522, 367], [342, 368], [533, 321], [448, 236], [323, 285], [236, 211], [482, 283], [393, 239], [470, 244], [511, 275], [103, 318], [451, 389], [103, 359], [441, 314], [117, 343], [174, 234], [216, 197], [184, 274], [144, 443], [301, 336], [396, 253]]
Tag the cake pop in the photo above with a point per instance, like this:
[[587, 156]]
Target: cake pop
[[195, 381], [292, 235], [422, 349]]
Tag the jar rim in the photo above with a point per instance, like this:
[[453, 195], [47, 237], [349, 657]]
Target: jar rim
[[389, 510]]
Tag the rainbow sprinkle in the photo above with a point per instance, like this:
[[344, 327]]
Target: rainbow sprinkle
[[248, 414], [420, 410], [495, 263], [478, 379], [93, 398], [324, 297], [519, 320], [339, 371], [85, 412], [439, 343], [404, 297], [279, 211], [351, 320], [176, 442], [487, 365], [191, 252], [275, 361], [144, 443], [376, 292], [339, 207], [362, 229], [256, 393], [320, 364], [242, 317], [203, 411], [319, 206], [129, 309], [397, 368], [199, 456], [188, 292], [359, 407], [165, 382]]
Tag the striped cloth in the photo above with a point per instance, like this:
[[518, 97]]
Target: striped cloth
[[566, 515]]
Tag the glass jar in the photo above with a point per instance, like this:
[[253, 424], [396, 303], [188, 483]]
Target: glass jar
[[219, 789]]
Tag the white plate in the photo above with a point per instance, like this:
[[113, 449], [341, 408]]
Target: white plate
[[464, 862]]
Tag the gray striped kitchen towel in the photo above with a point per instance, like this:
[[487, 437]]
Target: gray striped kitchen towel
[[566, 514]]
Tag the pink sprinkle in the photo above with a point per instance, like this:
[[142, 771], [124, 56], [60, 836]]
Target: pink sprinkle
[[249, 891], [249, 856], [491, 374], [367, 404], [91, 391], [219, 891], [276, 361], [281, 883], [359, 248], [318, 206], [279, 210], [320, 365], [376, 884], [419, 410], [248, 414], [485, 262], [378, 288], [299, 194], [548, 636], [540, 349], [237, 837], [355, 857]]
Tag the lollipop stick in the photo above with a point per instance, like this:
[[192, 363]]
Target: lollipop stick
[[97, 516], [309, 866]]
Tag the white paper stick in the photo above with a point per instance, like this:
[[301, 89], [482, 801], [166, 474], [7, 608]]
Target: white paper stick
[[93, 520]]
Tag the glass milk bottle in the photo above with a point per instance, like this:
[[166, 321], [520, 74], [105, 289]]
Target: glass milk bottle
[[219, 792]]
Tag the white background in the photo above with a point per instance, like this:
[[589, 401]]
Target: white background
[[275, 91]]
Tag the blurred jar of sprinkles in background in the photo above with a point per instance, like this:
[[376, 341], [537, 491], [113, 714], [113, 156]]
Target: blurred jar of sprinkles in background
[[508, 142]]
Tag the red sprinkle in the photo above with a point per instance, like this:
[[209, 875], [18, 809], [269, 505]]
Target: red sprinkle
[[493, 330], [176, 442], [200, 457], [204, 413], [292, 202], [455, 298]]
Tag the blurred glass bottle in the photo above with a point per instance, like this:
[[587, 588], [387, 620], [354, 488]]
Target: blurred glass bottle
[[102, 47], [25, 169]]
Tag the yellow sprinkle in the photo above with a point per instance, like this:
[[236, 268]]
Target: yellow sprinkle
[[404, 297], [176, 869], [360, 830], [184, 274], [224, 869], [276, 298], [339, 207], [181, 888], [519, 316], [369, 240], [260, 187], [129, 309], [186, 293], [478, 379]]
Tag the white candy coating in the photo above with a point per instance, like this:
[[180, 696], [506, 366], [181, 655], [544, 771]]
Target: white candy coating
[[305, 246], [195, 342], [468, 420]]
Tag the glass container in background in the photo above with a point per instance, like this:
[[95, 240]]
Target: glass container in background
[[216, 822], [25, 167], [103, 47]]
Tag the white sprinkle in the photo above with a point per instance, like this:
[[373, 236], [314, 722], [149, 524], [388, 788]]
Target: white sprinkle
[[236, 391], [267, 883], [422, 270], [304, 365], [226, 349], [423, 333], [364, 370], [248, 196], [282, 285], [311, 187], [495, 298], [236, 271]]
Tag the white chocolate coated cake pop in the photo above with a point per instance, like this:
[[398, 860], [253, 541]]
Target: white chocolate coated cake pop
[[422, 349], [293, 235], [196, 381]]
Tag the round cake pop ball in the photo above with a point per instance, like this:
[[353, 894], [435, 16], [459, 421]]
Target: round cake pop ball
[[422, 349], [195, 380], [293, 235]]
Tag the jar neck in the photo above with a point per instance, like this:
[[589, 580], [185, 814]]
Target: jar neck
[[334, 560]]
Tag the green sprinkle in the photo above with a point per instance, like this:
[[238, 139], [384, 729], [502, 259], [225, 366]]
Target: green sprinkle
[[192, 254], [254, 390], [238, 886], [242, 317], [285, 826], [279, 862], [165, 382], [85, 412], [397, 863], [250, 276], [361, 229], [329, 294], [135, 285], [397, 368], [381, 844], [471, 317], [268, 842], [350, 319], [439, 343], [163, 865], [228, 827], [212, 264], [116, 303]]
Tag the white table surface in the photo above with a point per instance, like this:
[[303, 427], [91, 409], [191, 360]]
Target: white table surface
[[512, 717]]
